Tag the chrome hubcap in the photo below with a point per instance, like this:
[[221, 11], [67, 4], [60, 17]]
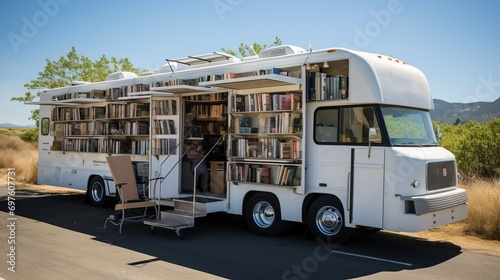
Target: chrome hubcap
[[263, 214], [329, 220]]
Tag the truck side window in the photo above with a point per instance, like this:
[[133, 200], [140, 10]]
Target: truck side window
[[344, 124], [326, 123], [356, 124], [45, 126]]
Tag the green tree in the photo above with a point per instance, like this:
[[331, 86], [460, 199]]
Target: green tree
[[476, 147], [246, 50], [68, 68]]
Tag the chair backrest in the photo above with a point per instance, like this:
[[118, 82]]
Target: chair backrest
[[123, 172]]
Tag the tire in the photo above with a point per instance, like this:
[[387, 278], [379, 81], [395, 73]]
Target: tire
[[97, 192], [263, 215], [326, 220]]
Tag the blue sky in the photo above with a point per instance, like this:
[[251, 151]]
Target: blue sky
[[455, 44]]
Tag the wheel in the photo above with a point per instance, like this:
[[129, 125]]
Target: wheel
[[97, 191], [326, 220], [263, 215]]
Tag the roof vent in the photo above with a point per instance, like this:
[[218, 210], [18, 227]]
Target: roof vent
[[280, 51], [120, 75], [78, 83]]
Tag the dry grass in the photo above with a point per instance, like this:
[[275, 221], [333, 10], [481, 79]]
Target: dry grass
[[15, 153], [484, 208]]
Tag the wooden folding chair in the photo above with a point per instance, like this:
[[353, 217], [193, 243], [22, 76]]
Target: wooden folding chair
[[124, 177]]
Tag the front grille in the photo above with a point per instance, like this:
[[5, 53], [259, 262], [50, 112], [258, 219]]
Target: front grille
[[441, 175]]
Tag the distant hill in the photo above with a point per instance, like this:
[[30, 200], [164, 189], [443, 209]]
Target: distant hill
[[446, 112], [10, 125]]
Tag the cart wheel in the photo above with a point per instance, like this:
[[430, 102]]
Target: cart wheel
[[179, 234], [153, 229]]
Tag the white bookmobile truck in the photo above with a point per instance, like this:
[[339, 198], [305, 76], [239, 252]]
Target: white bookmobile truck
[[335, 138]]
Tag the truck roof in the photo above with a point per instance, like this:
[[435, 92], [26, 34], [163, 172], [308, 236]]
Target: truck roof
[[373, 78]]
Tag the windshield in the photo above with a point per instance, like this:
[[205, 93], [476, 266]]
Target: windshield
[[408, 127]]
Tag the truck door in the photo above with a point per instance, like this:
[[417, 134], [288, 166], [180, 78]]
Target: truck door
[[342, 136], [365, 190], [366, 187]]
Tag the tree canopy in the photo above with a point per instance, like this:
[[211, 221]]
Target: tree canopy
[[72, 67], [246, 50]]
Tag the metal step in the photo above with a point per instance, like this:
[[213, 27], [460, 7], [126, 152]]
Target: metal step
[[187, 206], [173, 219], [204, 205]]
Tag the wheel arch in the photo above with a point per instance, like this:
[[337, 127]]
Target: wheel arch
[[309, 200]]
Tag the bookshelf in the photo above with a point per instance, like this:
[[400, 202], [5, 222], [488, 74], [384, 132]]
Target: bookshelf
[[164, 126], [208, 112], [327, 83], [122, 120], [266, 137]]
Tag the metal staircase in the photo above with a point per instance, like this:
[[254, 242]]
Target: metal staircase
[[186, 209]]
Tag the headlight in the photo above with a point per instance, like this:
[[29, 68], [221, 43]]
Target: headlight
[[415, 184]]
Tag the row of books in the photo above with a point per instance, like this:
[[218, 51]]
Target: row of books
[[209, 111], [135, 147], [112, 146], [165, 107], [77, 145], [175, 82], [267, 148], [217, 96], [127, 128], [164, 146], [101, 128], [112, 93], [282, 123], [163, 127], [87, 128], [320, 86], [129, 110], [124, 91], [283, 175], [76, 114], [262, 102]]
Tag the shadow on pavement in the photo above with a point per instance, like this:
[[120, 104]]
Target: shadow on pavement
[[222, 245]]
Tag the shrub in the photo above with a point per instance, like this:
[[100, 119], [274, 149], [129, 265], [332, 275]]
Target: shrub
[[30, 135], [476, 147]]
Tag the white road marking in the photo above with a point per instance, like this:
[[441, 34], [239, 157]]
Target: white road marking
[[372, 258]]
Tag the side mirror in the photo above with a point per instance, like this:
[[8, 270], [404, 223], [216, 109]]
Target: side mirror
[[438, 132], [374, 135]]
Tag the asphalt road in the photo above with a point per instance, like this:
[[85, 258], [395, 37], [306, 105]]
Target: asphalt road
[[59, 237]]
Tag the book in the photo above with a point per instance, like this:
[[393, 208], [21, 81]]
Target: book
[[285, 150], [239, 105]]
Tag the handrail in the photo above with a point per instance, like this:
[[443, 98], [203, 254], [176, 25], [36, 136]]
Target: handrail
[[196, 167]]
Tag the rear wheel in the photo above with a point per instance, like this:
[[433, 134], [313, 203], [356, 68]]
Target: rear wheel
[[97, 191], [326, 220], [263, 215]]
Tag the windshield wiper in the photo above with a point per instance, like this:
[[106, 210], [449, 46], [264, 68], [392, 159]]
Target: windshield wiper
[[409, 143]]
